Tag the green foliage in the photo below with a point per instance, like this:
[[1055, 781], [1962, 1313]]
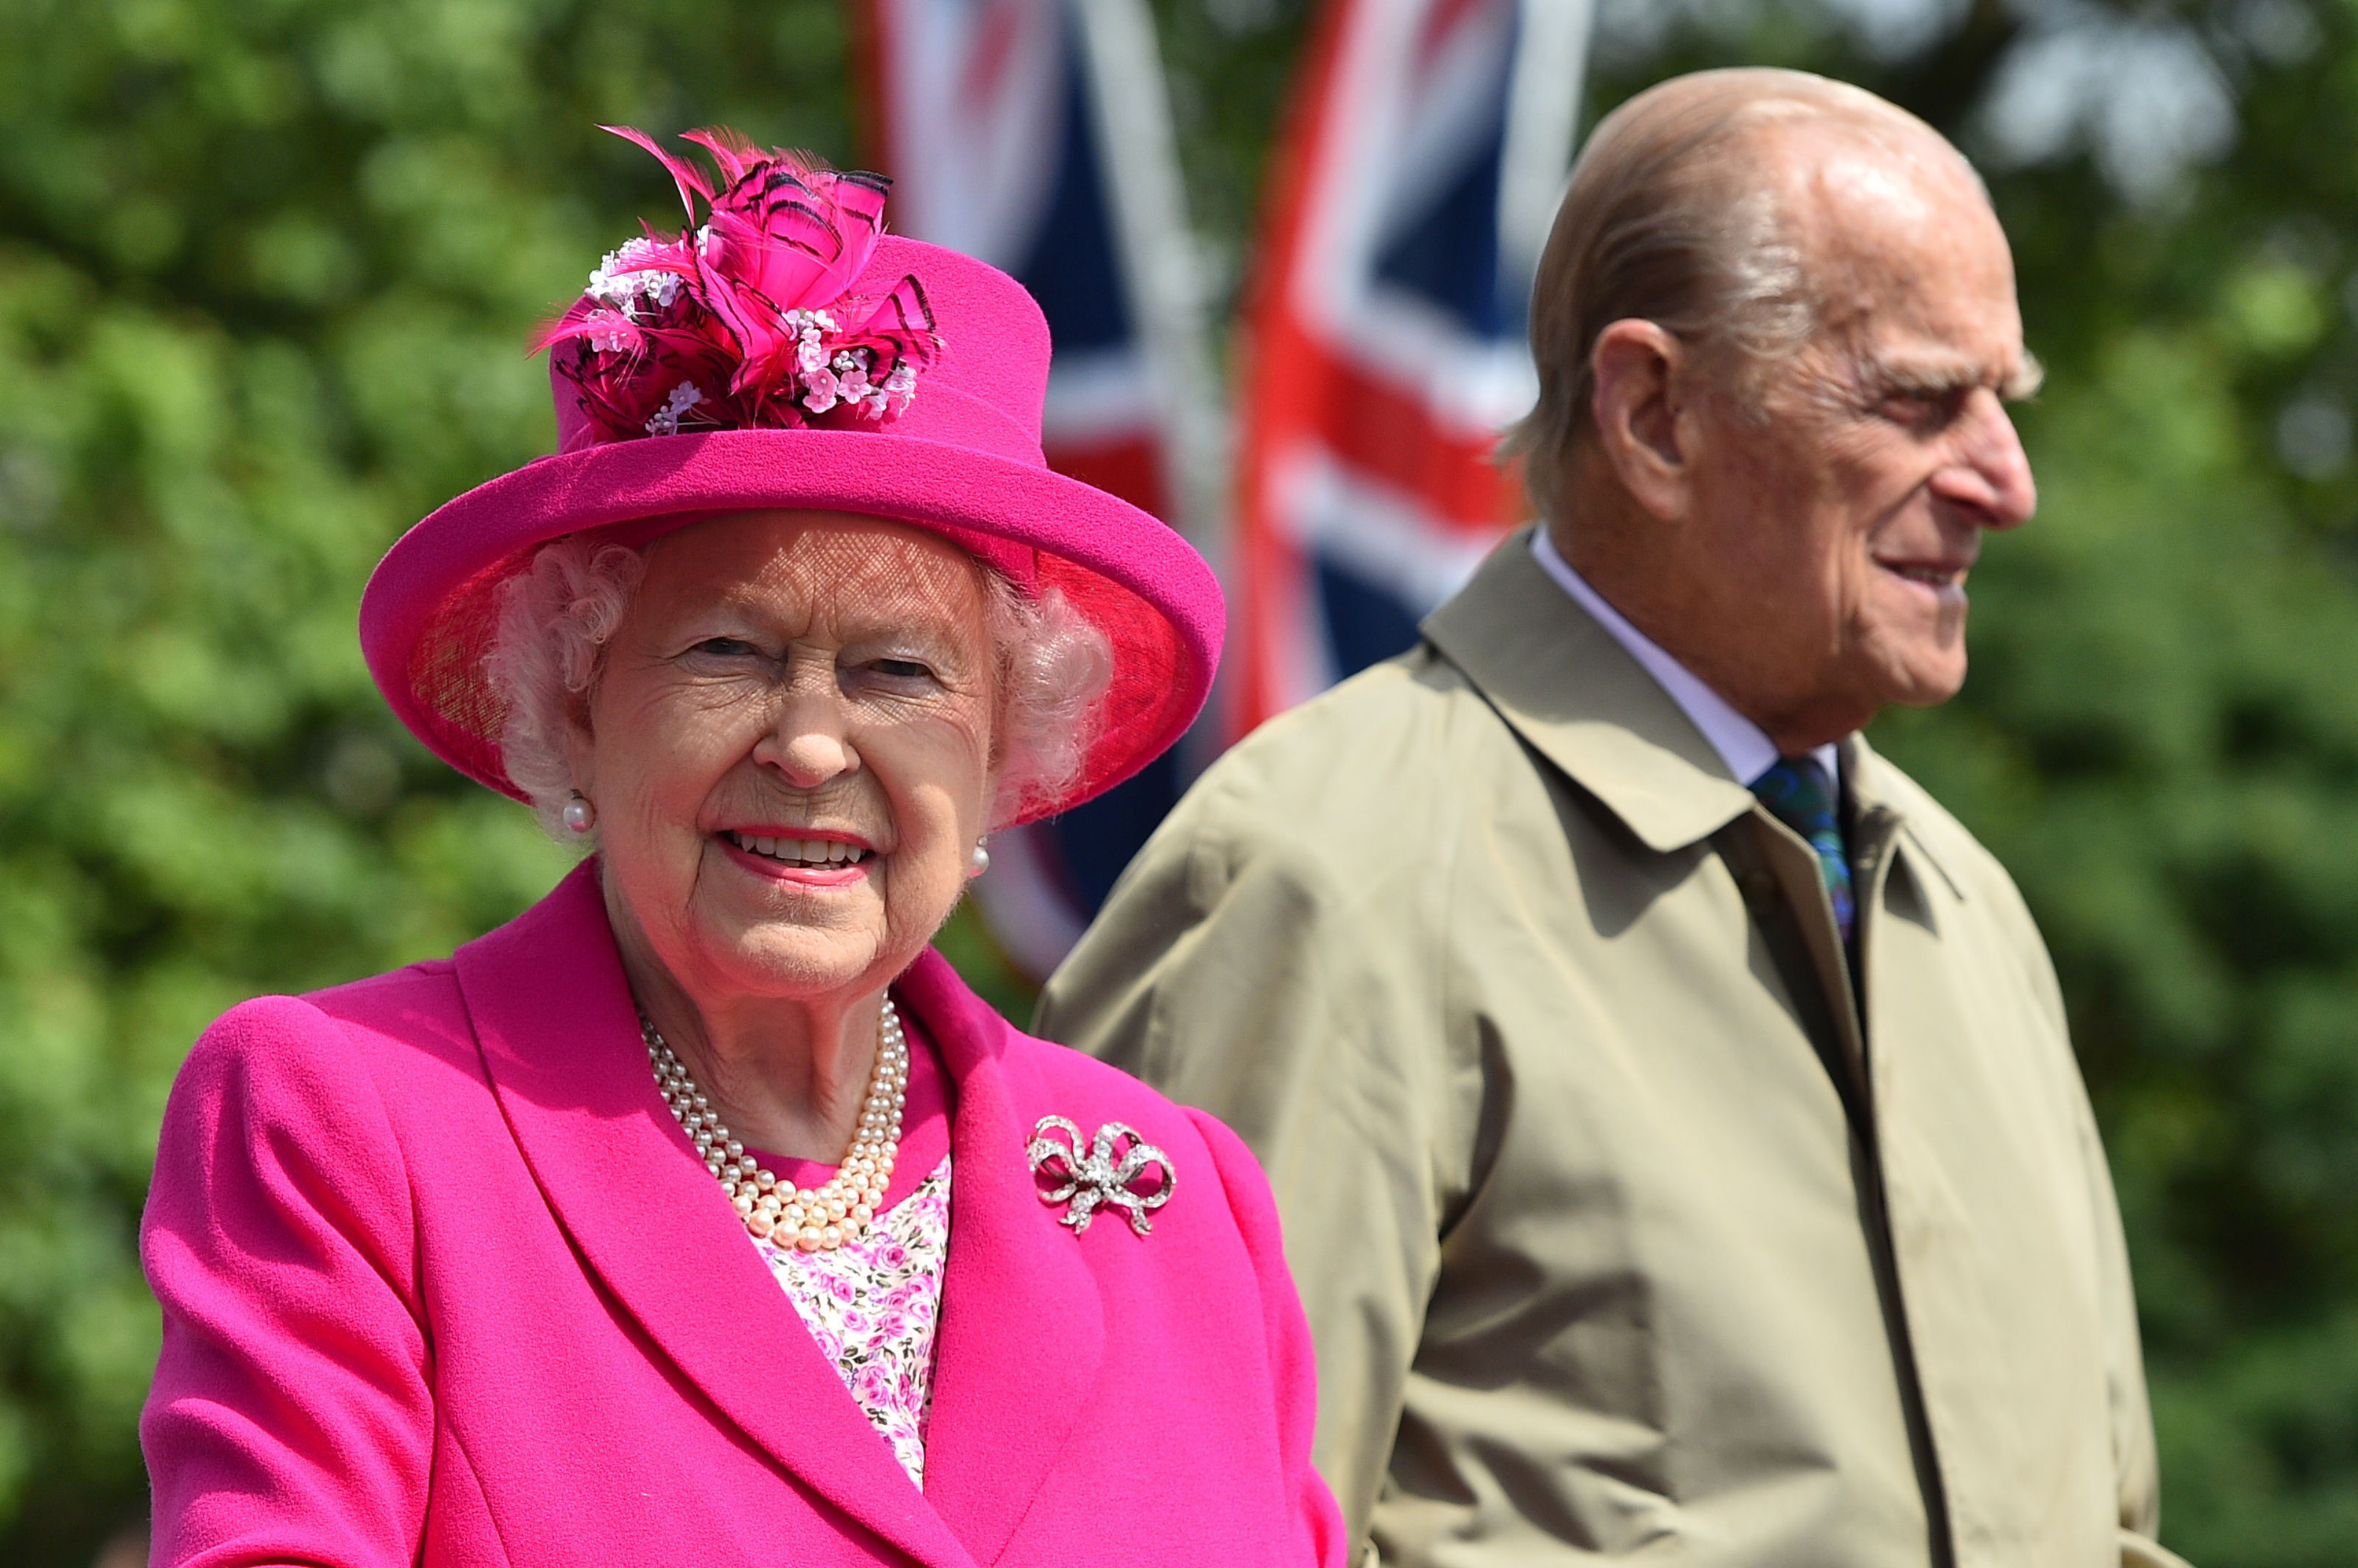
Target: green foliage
[[265, 271]]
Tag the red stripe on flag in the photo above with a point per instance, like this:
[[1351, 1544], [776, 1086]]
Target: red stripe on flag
[[994, 45], [1373, 425], [1298, 391], [1130, 467], [1273, 388]]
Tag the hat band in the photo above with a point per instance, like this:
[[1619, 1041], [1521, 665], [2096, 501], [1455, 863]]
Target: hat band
[[945, 414]]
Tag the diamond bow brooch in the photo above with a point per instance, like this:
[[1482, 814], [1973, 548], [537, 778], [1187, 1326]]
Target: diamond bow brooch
[[1100, 1175]]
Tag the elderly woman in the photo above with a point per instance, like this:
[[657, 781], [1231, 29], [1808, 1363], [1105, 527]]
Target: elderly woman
[[702, 1214]]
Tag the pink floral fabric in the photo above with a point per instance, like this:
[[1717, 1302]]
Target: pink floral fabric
[[872, 1305]]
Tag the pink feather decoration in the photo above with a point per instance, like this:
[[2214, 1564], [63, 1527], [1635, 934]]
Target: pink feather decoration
[[744, 321]]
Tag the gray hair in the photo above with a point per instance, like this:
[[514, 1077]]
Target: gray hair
[[558, 614], [1660, 224]]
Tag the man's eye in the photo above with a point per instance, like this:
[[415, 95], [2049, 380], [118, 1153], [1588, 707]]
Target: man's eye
[[1922, 410]]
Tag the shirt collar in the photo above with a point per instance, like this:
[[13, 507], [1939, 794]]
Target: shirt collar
[[1743, 745]]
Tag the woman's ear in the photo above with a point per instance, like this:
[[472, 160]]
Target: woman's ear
[[581, 746], [1643, 425]]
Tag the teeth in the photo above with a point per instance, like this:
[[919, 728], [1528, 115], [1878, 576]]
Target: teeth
[[809, 851]]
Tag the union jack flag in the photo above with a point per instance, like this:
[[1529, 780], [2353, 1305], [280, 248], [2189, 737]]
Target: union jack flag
[[1385, 347], [993, 118], [1423, 151]]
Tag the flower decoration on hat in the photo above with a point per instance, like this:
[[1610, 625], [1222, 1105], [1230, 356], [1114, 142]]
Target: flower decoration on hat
[[745, 321]]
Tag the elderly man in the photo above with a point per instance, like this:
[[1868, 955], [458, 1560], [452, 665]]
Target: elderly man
[[1671, 1108]]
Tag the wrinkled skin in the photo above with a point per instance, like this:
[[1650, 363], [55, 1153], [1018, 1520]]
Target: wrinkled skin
[[787, 674], [1801, 543]]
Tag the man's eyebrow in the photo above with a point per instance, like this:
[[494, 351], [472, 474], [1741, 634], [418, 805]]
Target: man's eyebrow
[[2027, 378], [1939, 378]]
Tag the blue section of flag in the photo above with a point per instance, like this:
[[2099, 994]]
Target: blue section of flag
[[1366, 623], [1097, 839], [1447, 256], [1073, 271], [1444, 256], [1071, 268]]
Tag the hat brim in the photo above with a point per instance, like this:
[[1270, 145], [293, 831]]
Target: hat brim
[[430, 615]]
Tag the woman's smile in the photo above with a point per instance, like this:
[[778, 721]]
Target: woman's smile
[[802, 857]]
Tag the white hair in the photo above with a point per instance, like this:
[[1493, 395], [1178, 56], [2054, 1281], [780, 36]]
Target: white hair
[[556, 615]]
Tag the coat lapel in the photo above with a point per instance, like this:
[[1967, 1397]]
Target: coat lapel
[[1022, 1331], [560, 1037], [1580, 700]]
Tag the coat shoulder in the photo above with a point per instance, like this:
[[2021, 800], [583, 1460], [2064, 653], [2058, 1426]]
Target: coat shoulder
[[1351, 769], [1390, 713], [355, 1040], [1090, 1093], [421, 1000]]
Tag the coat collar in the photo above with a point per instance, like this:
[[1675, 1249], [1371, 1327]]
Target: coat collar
[[1576, 694], [1021, 1333], [1877, 788]]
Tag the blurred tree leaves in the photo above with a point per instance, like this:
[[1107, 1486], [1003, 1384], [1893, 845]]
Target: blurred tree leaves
[[265, 273], [266, 270]]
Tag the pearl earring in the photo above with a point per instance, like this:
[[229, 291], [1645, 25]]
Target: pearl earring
[[579, 815], [979, 858]]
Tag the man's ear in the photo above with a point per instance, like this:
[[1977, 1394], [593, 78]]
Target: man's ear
[[1643, 425]]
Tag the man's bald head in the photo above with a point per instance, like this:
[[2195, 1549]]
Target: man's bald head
[[1776, 328], [1689, 208]]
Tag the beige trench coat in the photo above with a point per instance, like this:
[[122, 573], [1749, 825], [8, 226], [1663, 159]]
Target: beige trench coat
[[1621, 1232]]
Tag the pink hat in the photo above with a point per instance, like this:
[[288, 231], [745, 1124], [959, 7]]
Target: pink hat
[[789, 354]]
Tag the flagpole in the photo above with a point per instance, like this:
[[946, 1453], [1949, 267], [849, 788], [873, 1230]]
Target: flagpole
[[1159, 259], [1542, 120]]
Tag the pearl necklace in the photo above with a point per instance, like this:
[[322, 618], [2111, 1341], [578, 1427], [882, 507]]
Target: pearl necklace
[[817, 1220]]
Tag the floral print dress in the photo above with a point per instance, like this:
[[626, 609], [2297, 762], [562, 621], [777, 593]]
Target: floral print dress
[[872, 1305]]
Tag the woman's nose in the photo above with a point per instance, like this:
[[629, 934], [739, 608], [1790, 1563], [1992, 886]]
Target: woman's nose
[[807, 745]]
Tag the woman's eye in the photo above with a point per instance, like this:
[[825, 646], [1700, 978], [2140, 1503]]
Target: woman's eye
[[726, 647], [902, 669]]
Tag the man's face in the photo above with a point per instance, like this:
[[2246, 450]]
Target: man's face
[[1834, 522]]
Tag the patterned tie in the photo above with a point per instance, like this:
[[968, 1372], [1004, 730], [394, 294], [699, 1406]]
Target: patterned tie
[[1802, 798]]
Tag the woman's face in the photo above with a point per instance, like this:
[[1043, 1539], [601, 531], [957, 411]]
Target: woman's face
[[789, 750]]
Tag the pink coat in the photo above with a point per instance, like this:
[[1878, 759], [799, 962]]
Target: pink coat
[[443, 1282]]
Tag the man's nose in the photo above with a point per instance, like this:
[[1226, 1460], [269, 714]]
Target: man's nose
[[1990, 474]]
